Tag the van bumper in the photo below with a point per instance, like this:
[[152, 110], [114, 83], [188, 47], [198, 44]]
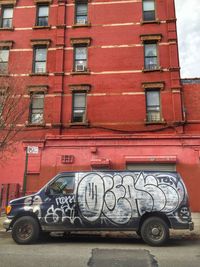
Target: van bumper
[[6, 224]]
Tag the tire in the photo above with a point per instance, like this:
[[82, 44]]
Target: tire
[[25, 230], [155, 231]]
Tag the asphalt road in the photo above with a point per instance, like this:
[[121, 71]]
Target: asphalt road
[[94, 251]]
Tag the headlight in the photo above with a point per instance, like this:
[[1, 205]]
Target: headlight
[[8, 209]]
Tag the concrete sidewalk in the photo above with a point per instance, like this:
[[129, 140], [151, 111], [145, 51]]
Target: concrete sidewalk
[[180, 234]]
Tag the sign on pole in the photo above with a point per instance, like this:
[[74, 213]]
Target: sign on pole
[[32, 149]]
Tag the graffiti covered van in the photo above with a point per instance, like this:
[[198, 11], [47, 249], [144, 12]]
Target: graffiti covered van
[[149, 203]]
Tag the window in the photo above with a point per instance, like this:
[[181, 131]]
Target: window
[[4, 54], [7, 17], [79, 107], [153, 105], [81, 16], [80, 58], [62, 186], [40, 58], [37, 108], [150, 54], [148, 10], [42, 15]]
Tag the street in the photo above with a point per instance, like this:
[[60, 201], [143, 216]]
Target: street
[[96, 251]]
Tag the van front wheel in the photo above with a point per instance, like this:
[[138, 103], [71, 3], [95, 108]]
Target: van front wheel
[[155, 231], [25, 230]]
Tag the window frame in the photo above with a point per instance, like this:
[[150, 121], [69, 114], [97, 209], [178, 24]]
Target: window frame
[[5, 48], [85, 69], [143, 12], [153, 108], [32, 94], [156, 67], [84, 115], [76, 15], [3, 8], [37, 15], [39, 46]]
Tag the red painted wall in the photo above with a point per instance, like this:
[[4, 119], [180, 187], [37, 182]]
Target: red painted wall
[[116, 101]]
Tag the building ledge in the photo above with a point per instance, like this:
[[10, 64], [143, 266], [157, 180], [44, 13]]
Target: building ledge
[[29, 124], [87, 25], [80, 72], [4, 74], [152, 70], [84, 124], [41, 27], [39, 74], [156, 21], [162, 121], [7, 29]]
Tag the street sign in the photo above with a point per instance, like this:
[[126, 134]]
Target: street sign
[[32, 149]]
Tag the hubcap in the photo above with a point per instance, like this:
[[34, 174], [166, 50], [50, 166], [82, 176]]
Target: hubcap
[[24, 231], [155, 231]]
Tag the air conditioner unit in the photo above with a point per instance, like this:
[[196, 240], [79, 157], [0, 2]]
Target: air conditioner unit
[[81, 21], [80, 67]]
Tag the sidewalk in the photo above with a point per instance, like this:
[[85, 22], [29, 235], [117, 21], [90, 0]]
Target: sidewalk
[[180, 234]]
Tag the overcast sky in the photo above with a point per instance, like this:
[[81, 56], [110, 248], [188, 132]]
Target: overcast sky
[[188, 25]]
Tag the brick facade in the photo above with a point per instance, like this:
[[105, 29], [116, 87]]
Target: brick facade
[[116, 127]]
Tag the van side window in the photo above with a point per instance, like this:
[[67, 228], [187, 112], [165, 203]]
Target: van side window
[[62, 186]]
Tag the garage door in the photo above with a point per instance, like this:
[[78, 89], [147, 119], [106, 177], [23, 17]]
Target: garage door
[[151, 167]]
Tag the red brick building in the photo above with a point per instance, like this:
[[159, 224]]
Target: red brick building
[[103, 82]]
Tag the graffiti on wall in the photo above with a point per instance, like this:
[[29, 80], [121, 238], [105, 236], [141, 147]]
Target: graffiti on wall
[[111, 198]]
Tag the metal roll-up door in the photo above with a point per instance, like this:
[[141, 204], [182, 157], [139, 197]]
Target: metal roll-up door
[[151, 166]]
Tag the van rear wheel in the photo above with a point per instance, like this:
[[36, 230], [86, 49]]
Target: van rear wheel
[[155, 231], [25, 230]]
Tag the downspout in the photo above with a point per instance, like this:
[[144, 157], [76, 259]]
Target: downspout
[[184, 115], [63, 73]]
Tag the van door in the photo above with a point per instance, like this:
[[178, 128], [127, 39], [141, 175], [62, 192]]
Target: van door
[[60, 207]]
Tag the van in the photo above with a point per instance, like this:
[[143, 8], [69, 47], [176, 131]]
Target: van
[[149, 203]]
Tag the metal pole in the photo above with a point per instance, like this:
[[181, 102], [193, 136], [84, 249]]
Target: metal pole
[[25, 173]]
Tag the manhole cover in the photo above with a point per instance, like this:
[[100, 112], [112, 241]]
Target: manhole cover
[[121, 257]]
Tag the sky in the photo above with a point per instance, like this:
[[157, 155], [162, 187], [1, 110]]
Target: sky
[[188, 26]]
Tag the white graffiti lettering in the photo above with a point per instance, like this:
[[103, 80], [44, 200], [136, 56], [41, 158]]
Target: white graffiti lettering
[[120, 198]]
